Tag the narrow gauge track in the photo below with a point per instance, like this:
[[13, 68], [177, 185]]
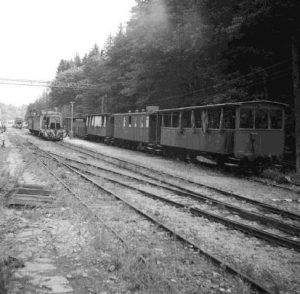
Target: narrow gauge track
[[255, 285], [274, 239], [84, 203], [156, 175], [272, 184], [252, 178]]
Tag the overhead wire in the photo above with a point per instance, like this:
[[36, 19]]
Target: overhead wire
[[229, 83], [218, 87]]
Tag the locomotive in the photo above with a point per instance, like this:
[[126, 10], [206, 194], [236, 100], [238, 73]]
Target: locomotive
[[247, 134], [18, 123], [46, 124]]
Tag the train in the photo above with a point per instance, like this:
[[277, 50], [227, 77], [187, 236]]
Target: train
[[246, 134], [18, 123], [46, 124]]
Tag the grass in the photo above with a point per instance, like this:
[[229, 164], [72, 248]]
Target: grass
[[159, 274], [277, 284], [274, 281], [281, 177], [142, 275]]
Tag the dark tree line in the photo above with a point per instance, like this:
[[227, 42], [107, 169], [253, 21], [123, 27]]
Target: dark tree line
[[177, 53]]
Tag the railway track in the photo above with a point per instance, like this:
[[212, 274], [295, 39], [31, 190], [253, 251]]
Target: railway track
[[291, 187], [231, 269], [272, 184], [292, 230], [165, 178]]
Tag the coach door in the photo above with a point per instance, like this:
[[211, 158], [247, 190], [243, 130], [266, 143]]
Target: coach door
[[110, 125], [154, 128]]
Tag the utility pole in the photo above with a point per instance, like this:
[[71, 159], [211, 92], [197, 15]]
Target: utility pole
[[296, 89], [71, 131], [103, 103]]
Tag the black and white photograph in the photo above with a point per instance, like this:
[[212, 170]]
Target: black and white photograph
[[149, 146]]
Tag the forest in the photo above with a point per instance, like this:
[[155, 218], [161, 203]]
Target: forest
[[10, 112], [176, 53]]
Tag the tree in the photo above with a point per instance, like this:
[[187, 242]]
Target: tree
[[77, 60], [64, 65], [266, 49], [296, 84]]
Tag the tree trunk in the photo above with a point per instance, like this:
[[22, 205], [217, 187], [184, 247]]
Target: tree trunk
[[295, 62]]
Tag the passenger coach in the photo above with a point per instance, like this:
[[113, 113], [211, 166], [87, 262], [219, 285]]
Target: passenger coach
[[250, 133], [99, 126], [139, 130]]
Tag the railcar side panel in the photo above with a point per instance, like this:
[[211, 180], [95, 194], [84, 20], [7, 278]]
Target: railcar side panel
[[96, 131], [258, 142], [99, 126], [213, 141], [260, 131], [133, 127]]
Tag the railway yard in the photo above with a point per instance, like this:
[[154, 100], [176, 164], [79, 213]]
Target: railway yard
[[83, 217]]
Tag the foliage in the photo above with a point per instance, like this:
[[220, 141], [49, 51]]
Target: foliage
[[176, 53], [10, 112], [41, 103]]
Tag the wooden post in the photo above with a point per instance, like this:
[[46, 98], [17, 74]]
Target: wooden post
[[71, 134], [296, 89], [104, 104]]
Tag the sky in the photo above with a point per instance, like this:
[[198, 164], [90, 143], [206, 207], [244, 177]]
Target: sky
[[36, 34]]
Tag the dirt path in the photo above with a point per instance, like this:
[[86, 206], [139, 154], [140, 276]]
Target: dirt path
[[28, 258]]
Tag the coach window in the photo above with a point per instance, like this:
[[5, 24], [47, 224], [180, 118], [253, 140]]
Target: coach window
[[198, 118], [104, 121], [100, 121], [275, 118], [229, 118], [129, 121], [135, 121], [147, 121], [175, 120], [261, 119], [167, 120], [214, 118], [186, 119], [124, 121], [142, 121], [246, 118]]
